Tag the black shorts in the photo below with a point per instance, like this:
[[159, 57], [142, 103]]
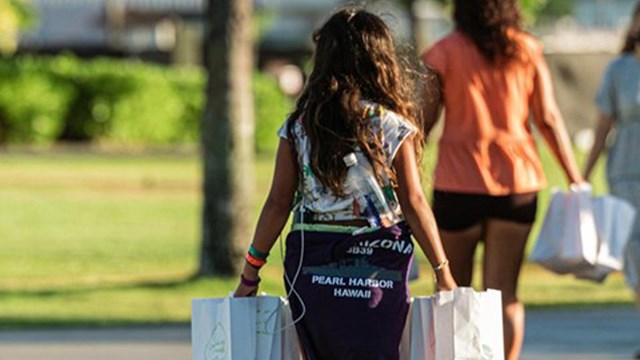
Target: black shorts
[[459, 211]]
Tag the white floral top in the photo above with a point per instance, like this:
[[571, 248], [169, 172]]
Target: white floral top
[[316, 198]]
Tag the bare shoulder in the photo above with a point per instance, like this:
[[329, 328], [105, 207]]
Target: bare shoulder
[[530, 44]]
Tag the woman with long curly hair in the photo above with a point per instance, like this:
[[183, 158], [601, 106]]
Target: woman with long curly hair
[[618, 102], [493, 76], [349, 249]]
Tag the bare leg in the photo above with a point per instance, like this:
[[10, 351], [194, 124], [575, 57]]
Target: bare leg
[[460, 247], [504, 252]]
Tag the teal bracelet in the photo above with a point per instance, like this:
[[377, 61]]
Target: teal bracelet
[[258, 254]]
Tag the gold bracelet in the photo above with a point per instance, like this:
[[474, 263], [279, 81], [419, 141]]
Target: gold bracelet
[[441, 265]]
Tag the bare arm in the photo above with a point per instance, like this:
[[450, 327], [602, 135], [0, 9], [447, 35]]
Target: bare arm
[[418, 214], [275, 211], [550, 123], [604, 126]]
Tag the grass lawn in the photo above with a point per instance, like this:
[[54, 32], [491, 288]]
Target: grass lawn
[[96, 239]]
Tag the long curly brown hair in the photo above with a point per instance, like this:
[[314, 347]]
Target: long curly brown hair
[[355, 59], [633, 35], [487, 23]]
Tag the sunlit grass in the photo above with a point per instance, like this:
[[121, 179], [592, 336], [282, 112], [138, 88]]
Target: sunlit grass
[[90, 238]]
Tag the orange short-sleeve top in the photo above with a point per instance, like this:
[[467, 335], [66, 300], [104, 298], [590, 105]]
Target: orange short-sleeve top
[[487, 146]]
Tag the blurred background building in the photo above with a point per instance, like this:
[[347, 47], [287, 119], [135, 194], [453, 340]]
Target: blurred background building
[[578, 44], [152, 30], [170, 31]]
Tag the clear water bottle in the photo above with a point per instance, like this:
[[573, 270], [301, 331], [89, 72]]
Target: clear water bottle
[[362, 184]]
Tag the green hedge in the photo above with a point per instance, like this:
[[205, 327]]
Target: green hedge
[[63, 98]]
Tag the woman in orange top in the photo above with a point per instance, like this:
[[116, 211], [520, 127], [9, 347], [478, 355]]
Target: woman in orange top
[[492, 75]]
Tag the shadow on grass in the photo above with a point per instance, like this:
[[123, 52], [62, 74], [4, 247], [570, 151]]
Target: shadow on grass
[[148, 284], [25, 321], [11, 323]]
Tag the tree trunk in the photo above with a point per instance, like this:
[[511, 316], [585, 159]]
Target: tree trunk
[[227, 137], [5, 128], [417, 38]]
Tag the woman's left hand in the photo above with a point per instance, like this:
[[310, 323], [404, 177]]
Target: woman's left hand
[[445, 280], [446, 286]]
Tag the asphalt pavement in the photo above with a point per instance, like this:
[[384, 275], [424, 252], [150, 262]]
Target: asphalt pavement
[[558, 334]]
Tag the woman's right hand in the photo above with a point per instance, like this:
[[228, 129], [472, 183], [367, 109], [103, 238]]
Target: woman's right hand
[[577, 179], [248, 284], [574, 176], [243, 290]]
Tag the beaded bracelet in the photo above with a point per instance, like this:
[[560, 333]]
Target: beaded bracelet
[[249, 283], [258, 254]]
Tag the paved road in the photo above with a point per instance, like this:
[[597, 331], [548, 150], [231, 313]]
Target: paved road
[[134, 343], [601, 333], [585, 334]]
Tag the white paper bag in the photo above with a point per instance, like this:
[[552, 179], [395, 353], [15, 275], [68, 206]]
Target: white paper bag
[[418, 339], [290, 344], [614, 220], [237, 328], [568, 242], [268, 328], [468, 325], [455, 325]]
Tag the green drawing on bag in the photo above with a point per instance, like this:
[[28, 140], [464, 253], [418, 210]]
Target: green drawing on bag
[[487, 352], [217, 347], [266, 320]]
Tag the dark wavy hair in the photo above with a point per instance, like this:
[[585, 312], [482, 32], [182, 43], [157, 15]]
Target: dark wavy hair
[[632, 37], [355, 59], [487, 23]]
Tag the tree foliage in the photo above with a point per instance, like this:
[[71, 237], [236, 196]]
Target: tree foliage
[[117, 101], [14, 15], [540, 10]]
